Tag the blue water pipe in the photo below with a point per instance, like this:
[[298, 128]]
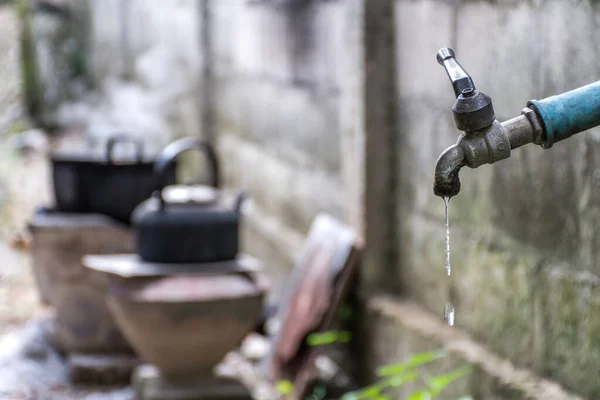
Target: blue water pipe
[[567, 114]]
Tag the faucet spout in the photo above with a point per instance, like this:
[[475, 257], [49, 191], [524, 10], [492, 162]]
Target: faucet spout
[[446, 180]]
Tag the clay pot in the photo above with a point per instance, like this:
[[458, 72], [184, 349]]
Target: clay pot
[[185, 325]]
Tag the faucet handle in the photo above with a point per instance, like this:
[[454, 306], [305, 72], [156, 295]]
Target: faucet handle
[[457, 74], [473, 110]]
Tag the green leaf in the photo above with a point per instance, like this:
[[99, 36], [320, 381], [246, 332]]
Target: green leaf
[[438, 383], [371, 391], [284, 387], [420, 395], [413, 361], [401, 379], [328, 337], [321, 338]]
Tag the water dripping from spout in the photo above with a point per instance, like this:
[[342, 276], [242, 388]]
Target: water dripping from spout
[[449, 309], [448, 267]]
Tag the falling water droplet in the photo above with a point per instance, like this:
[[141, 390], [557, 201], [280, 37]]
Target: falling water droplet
[[449, 308], [448, 267], [449, 314]]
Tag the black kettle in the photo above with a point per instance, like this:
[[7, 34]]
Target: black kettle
[[186, 229]]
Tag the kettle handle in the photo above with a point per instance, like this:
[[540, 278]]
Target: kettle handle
[[113, 140], [168, 155]]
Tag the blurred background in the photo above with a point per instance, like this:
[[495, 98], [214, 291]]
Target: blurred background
[[339, 106]]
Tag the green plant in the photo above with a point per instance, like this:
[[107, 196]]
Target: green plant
[[399, 374], [389, 376]]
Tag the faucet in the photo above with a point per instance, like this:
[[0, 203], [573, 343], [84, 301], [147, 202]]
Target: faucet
[[485, 140]]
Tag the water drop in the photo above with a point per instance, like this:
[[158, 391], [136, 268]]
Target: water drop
[[449, 314], [448, 267]]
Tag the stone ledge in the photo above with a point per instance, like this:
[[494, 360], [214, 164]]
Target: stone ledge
[[505, 377]]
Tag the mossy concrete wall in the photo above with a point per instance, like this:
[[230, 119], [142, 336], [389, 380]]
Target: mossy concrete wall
[[524, 231]]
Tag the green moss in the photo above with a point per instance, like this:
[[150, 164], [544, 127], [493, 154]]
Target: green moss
[[28, 74]]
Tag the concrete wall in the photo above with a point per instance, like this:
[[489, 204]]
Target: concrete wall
[[524, 231], [340, 106], [275, 98]]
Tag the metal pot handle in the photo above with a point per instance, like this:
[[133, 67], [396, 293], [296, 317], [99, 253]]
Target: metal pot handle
[[168, 155], [113, 140]]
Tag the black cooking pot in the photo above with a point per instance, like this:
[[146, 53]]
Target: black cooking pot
[[195, 230], [86, 184]]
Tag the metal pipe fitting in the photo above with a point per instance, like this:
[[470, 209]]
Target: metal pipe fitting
[[486, 146], [524, 129], [487, 141]]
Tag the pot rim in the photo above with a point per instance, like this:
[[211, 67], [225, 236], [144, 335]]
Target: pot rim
[[187, 289]]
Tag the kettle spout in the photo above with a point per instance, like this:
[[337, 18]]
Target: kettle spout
[[446, 181]]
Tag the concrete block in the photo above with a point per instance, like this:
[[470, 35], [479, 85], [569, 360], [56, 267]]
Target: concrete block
[[302, 126], [398, 329], [491, 287], [588, 200], [316, 36], [516, 195], [569, 38], [261, 41], [534, 197], [287, 44], [499, 44], [425, 134], [571, 329], [423, 27], [295, 195], [221, 17]]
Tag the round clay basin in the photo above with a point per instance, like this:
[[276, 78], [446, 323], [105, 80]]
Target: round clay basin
[[185, 325]]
